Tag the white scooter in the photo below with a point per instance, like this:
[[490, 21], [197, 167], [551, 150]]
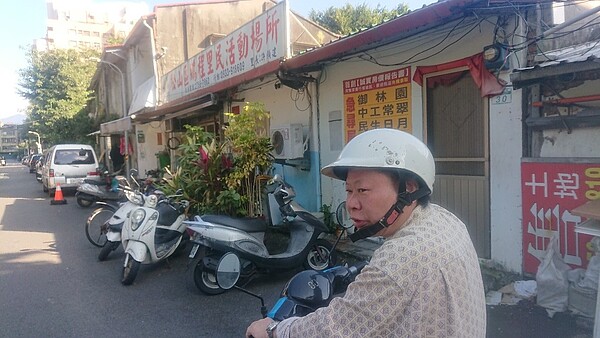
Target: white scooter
[[152, 233], [114, 225]]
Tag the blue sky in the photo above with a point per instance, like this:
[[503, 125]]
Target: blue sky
[[24, 21]]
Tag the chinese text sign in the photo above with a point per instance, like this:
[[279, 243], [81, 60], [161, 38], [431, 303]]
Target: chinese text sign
[[550, 191], [260, 41], [377, 101]]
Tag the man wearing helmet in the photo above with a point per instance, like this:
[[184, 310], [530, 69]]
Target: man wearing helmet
[[424, 281]]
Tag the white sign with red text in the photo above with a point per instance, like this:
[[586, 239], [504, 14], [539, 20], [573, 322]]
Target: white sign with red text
[[258, 42]]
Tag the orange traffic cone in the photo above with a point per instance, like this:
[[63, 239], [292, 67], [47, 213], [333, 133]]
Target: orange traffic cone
[[58, 196]]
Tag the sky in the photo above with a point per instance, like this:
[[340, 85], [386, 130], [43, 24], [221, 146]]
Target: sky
[[25, 21]]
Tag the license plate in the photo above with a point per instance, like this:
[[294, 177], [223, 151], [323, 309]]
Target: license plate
[[74, 180], [194, 250]]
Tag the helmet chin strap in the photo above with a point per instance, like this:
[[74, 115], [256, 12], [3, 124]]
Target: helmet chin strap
[[404, 199]]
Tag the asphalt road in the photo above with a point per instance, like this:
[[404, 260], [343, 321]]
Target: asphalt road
[[52, 285]]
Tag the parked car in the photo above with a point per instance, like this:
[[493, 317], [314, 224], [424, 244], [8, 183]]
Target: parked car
[[68, 165], [2, 161], [33, 162]]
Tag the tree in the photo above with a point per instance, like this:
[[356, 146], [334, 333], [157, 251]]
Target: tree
[[349, 19], [55, 83]]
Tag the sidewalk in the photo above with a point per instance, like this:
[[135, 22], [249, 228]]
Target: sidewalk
[[525, 319]]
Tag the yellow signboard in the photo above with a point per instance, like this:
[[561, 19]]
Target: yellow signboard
[[377, 101]]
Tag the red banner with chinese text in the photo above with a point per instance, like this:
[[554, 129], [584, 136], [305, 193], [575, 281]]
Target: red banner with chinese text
[[550, 191]]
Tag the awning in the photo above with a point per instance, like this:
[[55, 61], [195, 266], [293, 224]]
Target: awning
[[144, 96], [116, 126], [169, 112]]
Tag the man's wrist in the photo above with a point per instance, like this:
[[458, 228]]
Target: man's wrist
[[271, 328]]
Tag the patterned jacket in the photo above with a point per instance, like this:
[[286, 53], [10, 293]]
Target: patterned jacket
[[424, 281]]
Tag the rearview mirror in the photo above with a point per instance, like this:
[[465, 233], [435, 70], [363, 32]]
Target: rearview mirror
[[228, 271], [342, 217]]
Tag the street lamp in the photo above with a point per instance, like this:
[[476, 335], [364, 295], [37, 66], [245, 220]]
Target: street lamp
[[39, 140], [123, 107]]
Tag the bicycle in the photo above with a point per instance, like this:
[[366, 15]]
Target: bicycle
[[96, 225]]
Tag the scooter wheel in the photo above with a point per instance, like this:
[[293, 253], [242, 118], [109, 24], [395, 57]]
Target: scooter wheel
[[83, 203], [130, 270], [320, 256], [201, 277], [107, 249]]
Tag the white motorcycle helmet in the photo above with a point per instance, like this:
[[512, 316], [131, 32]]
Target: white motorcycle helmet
[[386, 149]]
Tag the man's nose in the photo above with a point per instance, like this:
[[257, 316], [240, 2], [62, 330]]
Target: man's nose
[[352, 202]]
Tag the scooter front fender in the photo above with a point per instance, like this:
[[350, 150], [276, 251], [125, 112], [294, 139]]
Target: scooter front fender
[[113, 236], [137, 250]]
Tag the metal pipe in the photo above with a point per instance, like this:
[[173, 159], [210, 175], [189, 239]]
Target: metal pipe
[[570, 22]]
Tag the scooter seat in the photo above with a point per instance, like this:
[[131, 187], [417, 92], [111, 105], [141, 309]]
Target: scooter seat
[[247, 224]]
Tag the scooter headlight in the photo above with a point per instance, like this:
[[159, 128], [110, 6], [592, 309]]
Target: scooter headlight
[[151, 201], [137, 217], [134, 197]]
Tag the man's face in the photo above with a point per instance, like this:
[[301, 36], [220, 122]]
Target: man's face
[[369, 195]]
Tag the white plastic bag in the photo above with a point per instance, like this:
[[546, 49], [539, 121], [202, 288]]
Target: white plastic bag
[[552, 282], [590, 278]]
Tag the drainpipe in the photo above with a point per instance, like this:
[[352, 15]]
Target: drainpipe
[[317, 111]]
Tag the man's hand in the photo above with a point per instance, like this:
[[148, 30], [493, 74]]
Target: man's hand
[[258, 329]]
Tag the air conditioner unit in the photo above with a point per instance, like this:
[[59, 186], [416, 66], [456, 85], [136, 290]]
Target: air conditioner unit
[[287, 141], [169, 125], [173, 125]]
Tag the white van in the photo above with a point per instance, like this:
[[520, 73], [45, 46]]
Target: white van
[[68, 165]]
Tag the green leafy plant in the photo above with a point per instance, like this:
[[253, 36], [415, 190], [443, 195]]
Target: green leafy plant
[[221, 177], [251, 148], [328, 218]]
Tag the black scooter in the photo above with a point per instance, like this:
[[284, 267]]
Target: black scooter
[[302, 294]]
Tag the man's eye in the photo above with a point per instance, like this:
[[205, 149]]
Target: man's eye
[[361, 190]]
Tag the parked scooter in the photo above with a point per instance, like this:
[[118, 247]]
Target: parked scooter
[[114, 225], [152, 232], [214, 235], [90, 191]]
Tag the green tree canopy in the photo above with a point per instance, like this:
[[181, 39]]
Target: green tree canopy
[[349, 19], [56, 85]]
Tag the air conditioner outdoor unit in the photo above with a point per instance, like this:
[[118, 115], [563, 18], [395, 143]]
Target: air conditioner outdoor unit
[[287, 141], [169, 125]]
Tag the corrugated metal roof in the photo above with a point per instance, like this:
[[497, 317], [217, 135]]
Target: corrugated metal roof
[[575, 59], [589, 51]]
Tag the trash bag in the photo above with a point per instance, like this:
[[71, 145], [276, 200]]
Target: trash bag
[[552, 282]]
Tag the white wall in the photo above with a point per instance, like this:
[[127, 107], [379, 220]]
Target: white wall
[[581, 142], [288, 106], [146, 158], [505, 182]]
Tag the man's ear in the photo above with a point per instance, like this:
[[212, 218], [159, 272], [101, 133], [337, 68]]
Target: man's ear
[[411, 186]]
